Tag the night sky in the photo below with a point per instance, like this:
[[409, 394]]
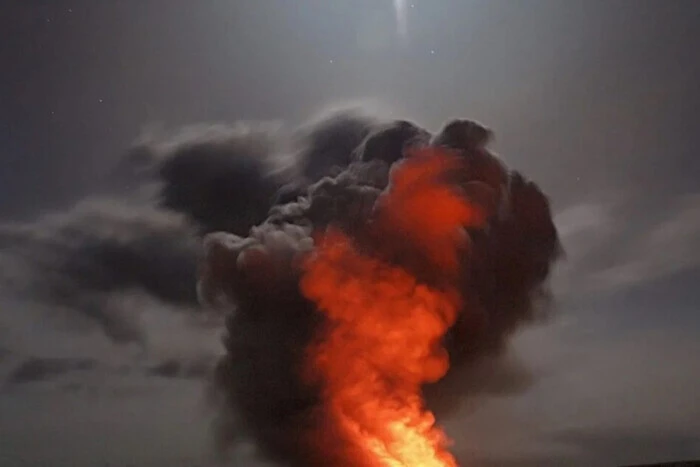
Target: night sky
[[597, 101]]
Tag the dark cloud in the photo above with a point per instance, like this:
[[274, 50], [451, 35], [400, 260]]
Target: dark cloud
[[80, 260], [269, 191], [533, 461], [191, 368], [627, 448], [463, 134], [38, 369], [331, 141], [272, 324], [112, 260], [222, 177], [620, 243], [389, 142]]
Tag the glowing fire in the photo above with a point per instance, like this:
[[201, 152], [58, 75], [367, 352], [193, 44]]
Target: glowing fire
[[383, 340]]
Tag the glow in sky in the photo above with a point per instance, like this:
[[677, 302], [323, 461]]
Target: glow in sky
[[401, 20]]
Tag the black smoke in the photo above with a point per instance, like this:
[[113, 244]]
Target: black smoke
[[117, 258], [78, 260], [39, 369], [329, 143], [269, 323], [221, 177], [253, 195]]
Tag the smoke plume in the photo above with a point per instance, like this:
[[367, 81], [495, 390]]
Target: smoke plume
[[121, 264], [307, 233], [429, 240]]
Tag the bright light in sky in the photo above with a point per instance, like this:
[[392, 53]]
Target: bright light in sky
[[401, 20]]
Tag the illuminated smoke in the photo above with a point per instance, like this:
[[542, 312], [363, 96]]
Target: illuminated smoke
[[392, 277], [383, 336]]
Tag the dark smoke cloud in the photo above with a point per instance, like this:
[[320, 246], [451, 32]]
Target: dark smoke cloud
[[192, 368], [78, 260], [36, 369], [268, 190], [221, 177], [114, 261], [270, 323], [390, 141], [4, 353], [330, 142]]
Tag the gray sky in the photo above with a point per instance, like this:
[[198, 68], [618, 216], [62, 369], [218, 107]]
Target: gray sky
[[597, 101]]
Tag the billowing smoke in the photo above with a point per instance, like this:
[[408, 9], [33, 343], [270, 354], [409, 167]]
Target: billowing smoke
[[122, 264], [261, 199], [83, 262], [398, 223], [222, 177]]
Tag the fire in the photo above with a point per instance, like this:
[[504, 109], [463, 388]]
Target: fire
[[383, 339]]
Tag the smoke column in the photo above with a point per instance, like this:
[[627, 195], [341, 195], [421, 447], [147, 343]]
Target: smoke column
[[382, 340], [358, 310]]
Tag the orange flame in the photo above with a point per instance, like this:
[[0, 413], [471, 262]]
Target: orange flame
[[383, 340]]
